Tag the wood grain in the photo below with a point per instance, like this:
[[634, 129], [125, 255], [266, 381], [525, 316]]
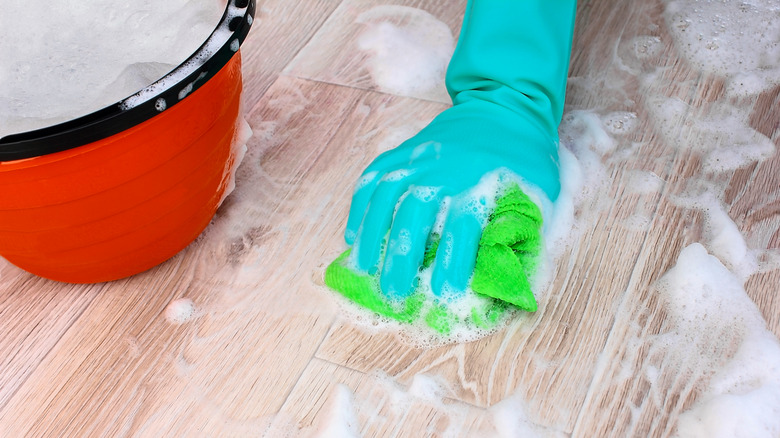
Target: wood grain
[[281, 28], [268, 352]]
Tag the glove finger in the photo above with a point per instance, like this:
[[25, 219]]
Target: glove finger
[[406, 245], [383, 165], [376, 223], [457, 254], [364, 188]]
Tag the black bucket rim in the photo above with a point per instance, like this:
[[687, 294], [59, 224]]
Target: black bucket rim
[[144, 104]]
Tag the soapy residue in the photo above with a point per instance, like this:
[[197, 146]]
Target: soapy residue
[[737, 40], [181, 311], [721, 132], [237, 154], [341, 421], [424, 395], [76, 61], [408, 50], [716, 330], [210, 46]]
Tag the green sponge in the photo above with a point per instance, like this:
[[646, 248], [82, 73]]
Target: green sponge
[[508, 255]]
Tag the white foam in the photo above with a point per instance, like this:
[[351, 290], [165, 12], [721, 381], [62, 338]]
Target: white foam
[[83, 56], [721, 235], [510, 420], [365, 179], [704, 302], [215, 41], [620, 122], [427, 388], [340, 420], [408, 50], [181, 311], [389, 399], [737, 40], [720, 132], [645, 182], [397, 175], [237, 154]]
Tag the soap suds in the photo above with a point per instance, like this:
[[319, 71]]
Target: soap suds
[[380, 397], [510, 420], [341, 420], [181, 311], [383, 397], [645, 182], [620, 122], [717, 330], [408, 50], [78, 61], [720, 132], [237, 154], [721, 235], [737, 40]]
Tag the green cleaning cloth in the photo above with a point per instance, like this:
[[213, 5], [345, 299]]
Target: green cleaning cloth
[[508, 255]]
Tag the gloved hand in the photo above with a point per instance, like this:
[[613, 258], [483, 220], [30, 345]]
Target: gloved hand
[[507, 79]]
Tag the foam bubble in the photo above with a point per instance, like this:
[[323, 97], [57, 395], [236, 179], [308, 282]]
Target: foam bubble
[[704, 301], [646, 46], [397, 175], [365, 180], [425, 193], [180, 311], [620, 122], [733, 39], [408, 48]]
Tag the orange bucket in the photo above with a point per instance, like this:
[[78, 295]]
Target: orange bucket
[[116, 192]]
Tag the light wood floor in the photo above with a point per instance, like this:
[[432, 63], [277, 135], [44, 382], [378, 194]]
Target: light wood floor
[[268, 347]]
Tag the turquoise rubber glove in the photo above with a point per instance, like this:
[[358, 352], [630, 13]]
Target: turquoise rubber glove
[[507, 80]]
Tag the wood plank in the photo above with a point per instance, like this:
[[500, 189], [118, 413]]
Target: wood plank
[[379, 406], [280, 29], [34, 315]]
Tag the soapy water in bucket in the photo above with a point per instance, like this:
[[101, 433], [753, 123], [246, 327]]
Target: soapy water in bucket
[[77, 56]]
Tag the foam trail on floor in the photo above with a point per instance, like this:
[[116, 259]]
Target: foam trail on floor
[[341, 420], [735, 40], [704, 299], [408, 50]]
